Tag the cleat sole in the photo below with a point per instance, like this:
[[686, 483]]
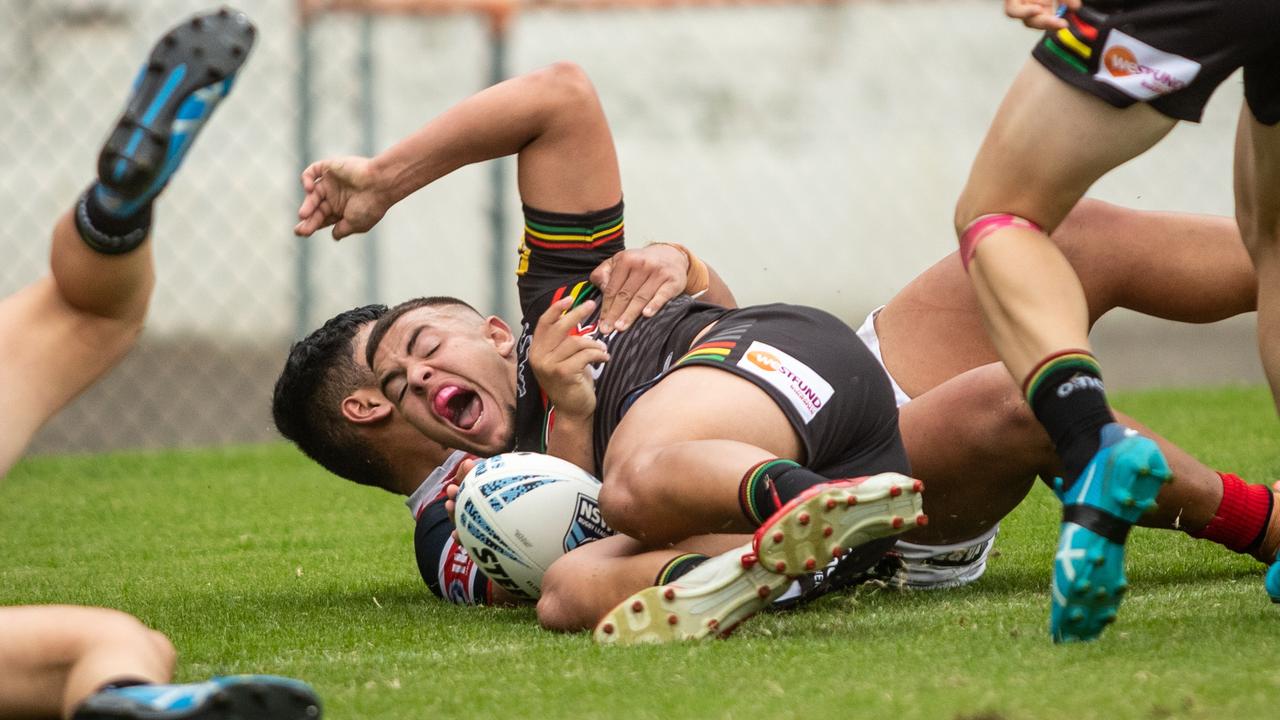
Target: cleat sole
[[864, 510]]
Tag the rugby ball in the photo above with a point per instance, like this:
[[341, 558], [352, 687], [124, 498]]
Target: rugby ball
[[517, 513]]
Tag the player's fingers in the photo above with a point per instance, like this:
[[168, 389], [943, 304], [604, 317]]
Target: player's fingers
[[569, 348], [620, 275], [624, 294], [600, 276], [661, 297], [641, 300], [552, 315], [578, 362], [312, 173], [342, 229]]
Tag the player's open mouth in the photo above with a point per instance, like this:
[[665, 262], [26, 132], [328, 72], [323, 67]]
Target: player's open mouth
[[458, 406]]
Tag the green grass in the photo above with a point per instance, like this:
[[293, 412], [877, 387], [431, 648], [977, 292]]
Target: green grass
[[250, 559]]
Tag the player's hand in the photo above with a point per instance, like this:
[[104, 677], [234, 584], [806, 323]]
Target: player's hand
[[1038, 14], [341, 192], [636, 282], [560, 358], [451, 487]]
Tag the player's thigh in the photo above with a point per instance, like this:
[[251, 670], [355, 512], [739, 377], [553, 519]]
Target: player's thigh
[[977, 448], [1047, 144], [704, 403]]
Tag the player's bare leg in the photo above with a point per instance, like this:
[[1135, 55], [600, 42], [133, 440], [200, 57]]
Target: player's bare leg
[[1197, 270], [56, 656], [673, 475], [67, 329], [1032, 168], [1257, 182], [1194, 268]]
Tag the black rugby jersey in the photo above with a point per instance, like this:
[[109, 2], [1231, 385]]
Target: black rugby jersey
[[557, 256]]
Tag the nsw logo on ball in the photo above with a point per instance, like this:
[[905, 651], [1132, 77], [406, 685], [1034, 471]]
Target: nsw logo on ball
[[587, 524]]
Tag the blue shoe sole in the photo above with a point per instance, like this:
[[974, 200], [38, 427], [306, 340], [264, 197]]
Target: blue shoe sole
[[207, 49], [1088, 576], [249, 699]]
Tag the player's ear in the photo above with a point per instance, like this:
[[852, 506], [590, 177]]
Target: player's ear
[[366, 406], [500, 335]]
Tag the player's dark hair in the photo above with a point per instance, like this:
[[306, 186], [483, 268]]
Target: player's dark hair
[[389, 318], [307, 403]]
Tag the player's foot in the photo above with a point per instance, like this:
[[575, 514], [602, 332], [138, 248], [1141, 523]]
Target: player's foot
[[709, 601], [828, 520], [1119, 484], [1273, 581], [825, 521], [240, 697], [190, 69]]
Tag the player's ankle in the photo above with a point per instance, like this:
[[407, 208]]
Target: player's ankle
[[1244, 519], [106, 231]]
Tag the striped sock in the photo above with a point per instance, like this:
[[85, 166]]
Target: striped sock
[[1066, 395], [769, 485], [679, 566]]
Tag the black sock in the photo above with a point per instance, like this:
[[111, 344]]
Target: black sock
[[1066, 395], [769, 485], [679, 566], [107, 232]]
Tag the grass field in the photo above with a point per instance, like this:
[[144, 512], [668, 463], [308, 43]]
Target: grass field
[[251, 559]]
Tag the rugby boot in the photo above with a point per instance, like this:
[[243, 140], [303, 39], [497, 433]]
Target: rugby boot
[[189, 71], [1273, 581], [1118, 485], [826, 521], [708, 601], [238, 697]]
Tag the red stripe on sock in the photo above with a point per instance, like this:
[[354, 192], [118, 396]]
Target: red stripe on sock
[[1241, 516]]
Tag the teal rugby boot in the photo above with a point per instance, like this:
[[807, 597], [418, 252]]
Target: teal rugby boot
[[238, 697], [189, 71], [1119, 484], [1273, 581]]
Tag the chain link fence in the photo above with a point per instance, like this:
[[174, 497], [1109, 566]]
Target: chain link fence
[[811, 152]]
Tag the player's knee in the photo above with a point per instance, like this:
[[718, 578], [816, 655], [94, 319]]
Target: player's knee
[[626, 497], [559, 607], [567, 83]]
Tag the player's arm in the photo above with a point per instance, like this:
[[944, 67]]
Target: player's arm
[[551, 119], [445, 565]]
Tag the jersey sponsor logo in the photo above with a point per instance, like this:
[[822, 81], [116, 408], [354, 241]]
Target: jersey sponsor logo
[[457, 572], [807, 391], [1080, 382], [588, 524], [1141, 71]]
